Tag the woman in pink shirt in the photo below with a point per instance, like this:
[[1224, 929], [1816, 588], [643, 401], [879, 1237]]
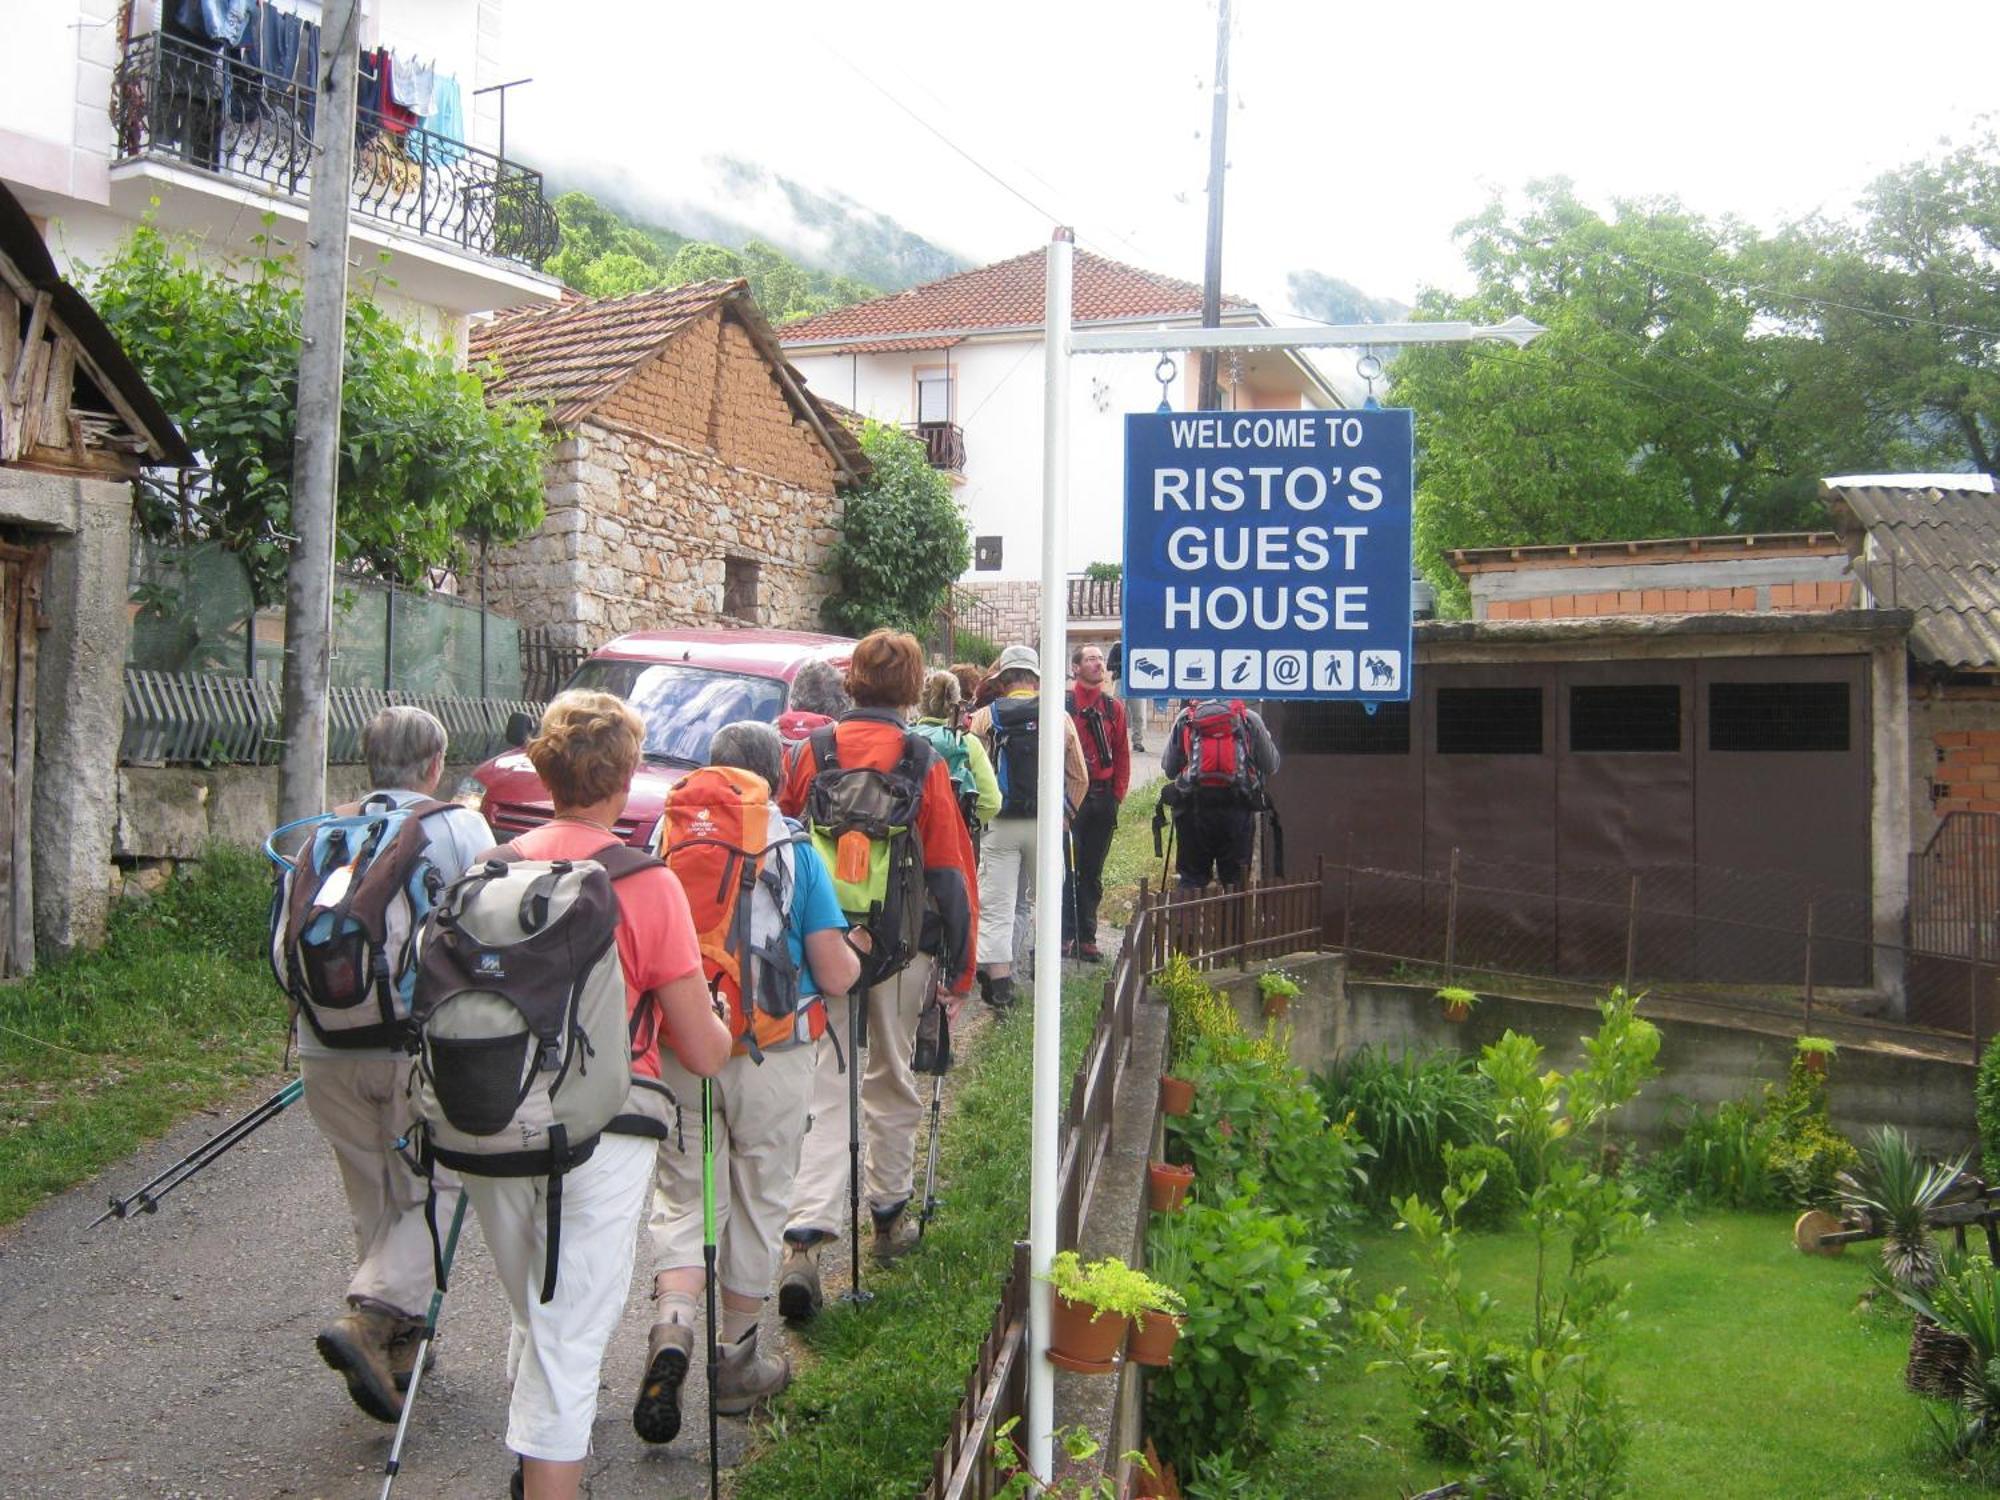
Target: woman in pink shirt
[[585, 753]]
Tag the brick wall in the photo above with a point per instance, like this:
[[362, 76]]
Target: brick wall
[[1776, 596], [711, 391], [1966, 777], [1011, 613]]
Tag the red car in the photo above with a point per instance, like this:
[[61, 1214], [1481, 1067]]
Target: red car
[[686, 684]]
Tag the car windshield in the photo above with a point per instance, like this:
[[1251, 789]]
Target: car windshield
[[683, 706]]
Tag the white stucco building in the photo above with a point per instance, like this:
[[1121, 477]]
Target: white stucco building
[[959, 362], [107, 108]]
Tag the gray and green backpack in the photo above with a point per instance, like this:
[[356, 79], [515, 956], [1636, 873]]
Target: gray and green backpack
[[524, 1049]]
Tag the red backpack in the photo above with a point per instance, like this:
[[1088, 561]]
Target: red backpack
[[732, 851], [1215, 748]]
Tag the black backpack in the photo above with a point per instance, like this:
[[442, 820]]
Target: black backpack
[[863, 822], [1017, 734]]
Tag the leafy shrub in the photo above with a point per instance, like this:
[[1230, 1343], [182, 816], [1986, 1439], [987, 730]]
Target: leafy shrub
[[1110, 1286], [1199, 1017], [1966, 1301], [1722, 1158], [1986, 1094], [1408, 1108], [1808, 1154], [970, 645], [1498, 1197], [1259, 1325]]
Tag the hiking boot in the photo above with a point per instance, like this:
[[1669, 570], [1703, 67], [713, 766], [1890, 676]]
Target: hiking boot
[[799, 1294], [895, 1236], [656, 1415], [357, 1345], [748, 1378], [986, 986], [1002, 997], [403, 1345], [1091, 954]]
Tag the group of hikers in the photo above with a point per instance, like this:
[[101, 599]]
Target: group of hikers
[[533, 1028]]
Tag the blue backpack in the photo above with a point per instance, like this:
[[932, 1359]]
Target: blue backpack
[[344, 915]]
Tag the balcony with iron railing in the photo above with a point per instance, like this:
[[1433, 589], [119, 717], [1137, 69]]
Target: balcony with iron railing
[[1096, 598], [944, 444], [178, 103]]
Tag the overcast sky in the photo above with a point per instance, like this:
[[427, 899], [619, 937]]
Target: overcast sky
[[1360, 133]]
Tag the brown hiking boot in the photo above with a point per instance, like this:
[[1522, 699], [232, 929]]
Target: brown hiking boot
[[403, 1346], [799, 1294], [656, 1415], [748, 1378], [357, 1345], [895, 1236]]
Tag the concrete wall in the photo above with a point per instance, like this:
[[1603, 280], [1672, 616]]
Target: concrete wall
[[1707, 1063]]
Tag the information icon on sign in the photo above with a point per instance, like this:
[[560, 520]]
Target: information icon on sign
[[1288, 670], [1146, 671], [1381, 671], [1333, 671], [1242, 671], [1194, 669]]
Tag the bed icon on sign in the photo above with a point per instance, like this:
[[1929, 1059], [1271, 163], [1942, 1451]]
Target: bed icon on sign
[[1147, 671]]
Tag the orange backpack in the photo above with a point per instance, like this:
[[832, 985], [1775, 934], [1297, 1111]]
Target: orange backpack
[[732, 851]]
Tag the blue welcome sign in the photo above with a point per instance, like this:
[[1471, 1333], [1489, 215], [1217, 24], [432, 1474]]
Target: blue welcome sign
[[1267, 554]]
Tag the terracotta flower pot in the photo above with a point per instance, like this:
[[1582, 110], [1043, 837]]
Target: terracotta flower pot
[[1154, 1343], [1458, 1014], [1176, 1095], [1076, 1343], [1277, 1005], [1815, 1062], [1167, 1186]]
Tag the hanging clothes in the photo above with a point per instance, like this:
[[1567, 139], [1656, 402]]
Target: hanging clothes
[[446, 120], [412, 82], [397, 119], [222, 21]]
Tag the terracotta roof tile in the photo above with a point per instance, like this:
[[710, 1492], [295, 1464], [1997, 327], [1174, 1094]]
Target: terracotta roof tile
[[1008, 294], [571, 356]]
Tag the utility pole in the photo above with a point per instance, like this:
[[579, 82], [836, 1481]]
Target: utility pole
[[1210, 394], [316, 447]]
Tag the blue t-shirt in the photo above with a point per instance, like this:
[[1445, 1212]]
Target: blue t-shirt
[[813, 909]]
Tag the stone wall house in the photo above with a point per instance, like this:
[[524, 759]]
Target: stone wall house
[[694, 481], [77, 422]]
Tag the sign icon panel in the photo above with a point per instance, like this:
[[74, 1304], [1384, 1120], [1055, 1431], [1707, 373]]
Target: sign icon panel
[[1381, 672], [1194, 670], [1146, 671], [1333, 671], [1242, 672], [1287, 671]]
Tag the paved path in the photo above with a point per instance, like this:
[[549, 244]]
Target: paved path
[[172, 1355]]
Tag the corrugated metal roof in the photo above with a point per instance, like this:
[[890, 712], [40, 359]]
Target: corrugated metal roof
[[1933, 550]]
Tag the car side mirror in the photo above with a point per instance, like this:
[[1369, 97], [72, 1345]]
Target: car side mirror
[[520, 728]]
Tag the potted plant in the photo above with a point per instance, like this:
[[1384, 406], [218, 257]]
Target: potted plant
[[1457, 1002], [1814, 1053], [1157, 1329], [1095, 1304], [1176, 1094], [1278, 989], [1167, 1186]]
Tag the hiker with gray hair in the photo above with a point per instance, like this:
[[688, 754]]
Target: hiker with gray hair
[[762, 1098], [358, 1098], [817, 696]]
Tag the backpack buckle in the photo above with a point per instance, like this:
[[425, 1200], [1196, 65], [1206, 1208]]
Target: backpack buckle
[[548, 1056]]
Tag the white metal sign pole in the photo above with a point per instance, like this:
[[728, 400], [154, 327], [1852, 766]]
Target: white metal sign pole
[[1049, 854]]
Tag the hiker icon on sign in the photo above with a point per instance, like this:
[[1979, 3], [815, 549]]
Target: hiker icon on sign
[[1333, 671], [1381, 671]]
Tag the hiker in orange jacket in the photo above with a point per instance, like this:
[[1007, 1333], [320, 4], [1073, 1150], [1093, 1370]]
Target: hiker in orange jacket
[[885, 680]]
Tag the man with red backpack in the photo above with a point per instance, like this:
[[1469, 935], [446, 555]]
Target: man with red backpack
[[1107, 753], [1218, 758]]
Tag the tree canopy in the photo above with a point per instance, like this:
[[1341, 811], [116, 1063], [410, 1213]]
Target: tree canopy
[[1700, 378], [426, 461], [602, 255], [903, 540]]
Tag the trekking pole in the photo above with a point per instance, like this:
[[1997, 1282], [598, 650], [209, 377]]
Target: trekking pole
[[146, 1200], [708, 1267], [395, 1464], [857, 1005], [930, 1203]]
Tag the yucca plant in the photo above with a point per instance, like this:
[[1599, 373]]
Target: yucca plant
[[1966, 1302], [1897, 1189]]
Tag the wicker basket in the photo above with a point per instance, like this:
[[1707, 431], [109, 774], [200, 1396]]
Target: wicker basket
[[1937, 1361]]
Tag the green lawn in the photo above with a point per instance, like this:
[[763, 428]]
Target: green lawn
[[1753, 1372], [105, 1050]]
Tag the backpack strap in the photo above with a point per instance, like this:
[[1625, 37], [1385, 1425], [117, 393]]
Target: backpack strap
[[825, 747]]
